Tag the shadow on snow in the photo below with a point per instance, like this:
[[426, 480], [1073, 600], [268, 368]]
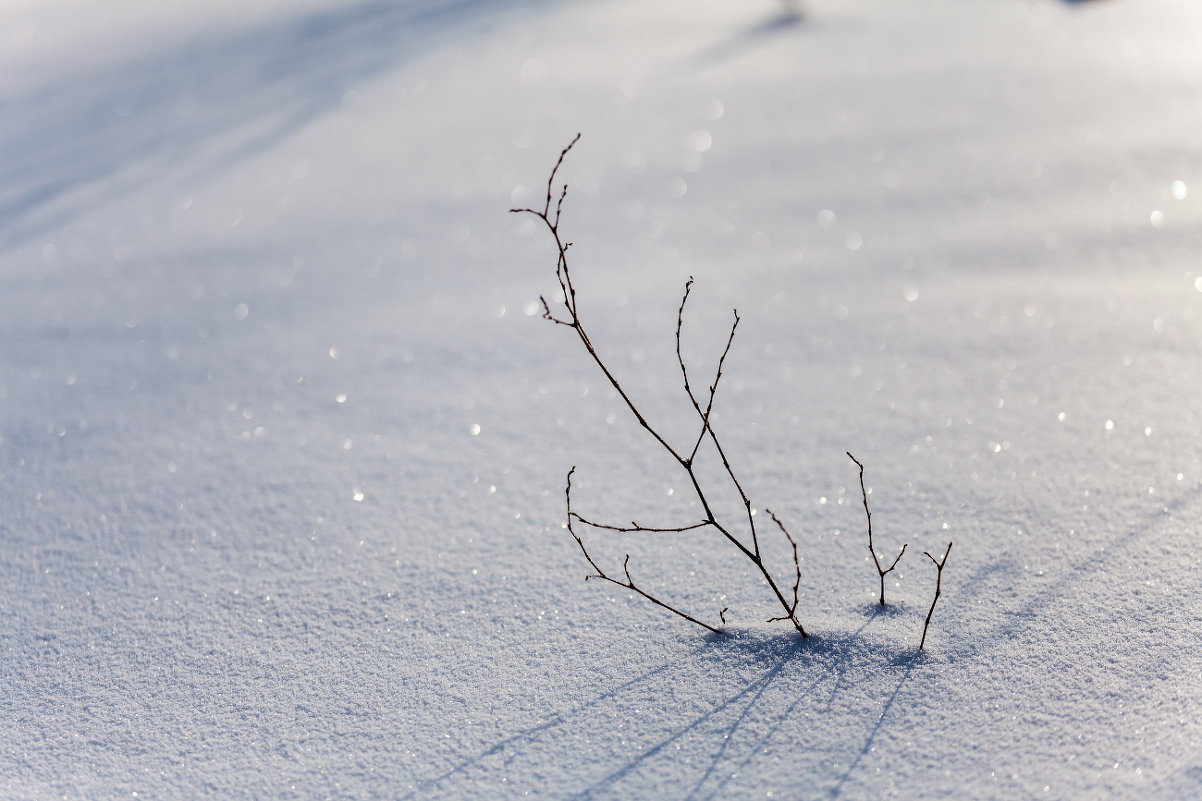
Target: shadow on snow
[[727, 733], [178, 114]]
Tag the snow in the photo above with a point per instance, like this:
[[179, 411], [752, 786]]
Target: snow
[[283, 439]]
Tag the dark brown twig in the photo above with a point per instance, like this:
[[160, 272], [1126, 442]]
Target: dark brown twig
[[572, 320], [629, 584], [564, 275], [882, 571], [796, 567], [939, 563], [635, 526], [706, 428]]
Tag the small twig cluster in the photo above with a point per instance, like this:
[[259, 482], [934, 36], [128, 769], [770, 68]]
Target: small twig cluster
[[883, 571], [686, 457]]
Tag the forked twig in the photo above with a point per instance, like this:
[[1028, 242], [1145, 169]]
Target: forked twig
[[551, 220], [939, 563], [629, 583], [564, 275], [706, 428], [876, 560]]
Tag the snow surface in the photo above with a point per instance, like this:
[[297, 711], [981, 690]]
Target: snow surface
[[282, 445]]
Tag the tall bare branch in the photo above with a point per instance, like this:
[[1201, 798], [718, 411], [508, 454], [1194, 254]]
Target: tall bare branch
[[572, 319], [876, 560]]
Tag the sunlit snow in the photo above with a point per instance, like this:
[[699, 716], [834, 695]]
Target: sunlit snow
[[282, 466]]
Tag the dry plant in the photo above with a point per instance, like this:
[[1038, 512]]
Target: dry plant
[[748, 544], [876, 559], [743, 535], [939, 563]]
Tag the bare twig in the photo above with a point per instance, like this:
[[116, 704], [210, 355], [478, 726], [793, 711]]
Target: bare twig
[[564, 275], [629, 584], [706, 428], [876, 560], [939, 563], [636, 526], [796, 567], [572, 320]]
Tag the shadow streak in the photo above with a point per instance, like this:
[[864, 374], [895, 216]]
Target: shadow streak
[[728, 737], [1075, 573], [737, 44], [837, 790], [785, 714], [532, 733], [180, 113], [756, 689]]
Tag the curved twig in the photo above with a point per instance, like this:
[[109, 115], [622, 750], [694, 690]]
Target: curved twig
[[796, 567]]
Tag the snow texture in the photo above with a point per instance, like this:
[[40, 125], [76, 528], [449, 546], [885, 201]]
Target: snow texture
[[283, 439]]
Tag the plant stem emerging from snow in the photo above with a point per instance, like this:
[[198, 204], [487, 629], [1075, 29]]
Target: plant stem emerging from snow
[[876, 560], [939, 563], [685, 457]]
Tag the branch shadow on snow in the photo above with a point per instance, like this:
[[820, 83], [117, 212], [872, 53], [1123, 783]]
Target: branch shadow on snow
[[531, 734], [723, 735], [759, 709], [837, 790], [743, 702], [837, 651], [180, 113], [1073, 571]]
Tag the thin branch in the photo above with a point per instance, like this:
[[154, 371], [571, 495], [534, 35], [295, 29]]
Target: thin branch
[[636, 527], [706, 427], [572, 320], [709, 406], [564, 275], [876, 560], [688, 287], [563, 194], [551, 181], [629, 583], [561, 269], [755, 542], [752, 553], [939, 563], [797, 570], [547, 315]]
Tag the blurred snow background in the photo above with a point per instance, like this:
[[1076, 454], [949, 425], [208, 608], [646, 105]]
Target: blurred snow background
[[282, 441]]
